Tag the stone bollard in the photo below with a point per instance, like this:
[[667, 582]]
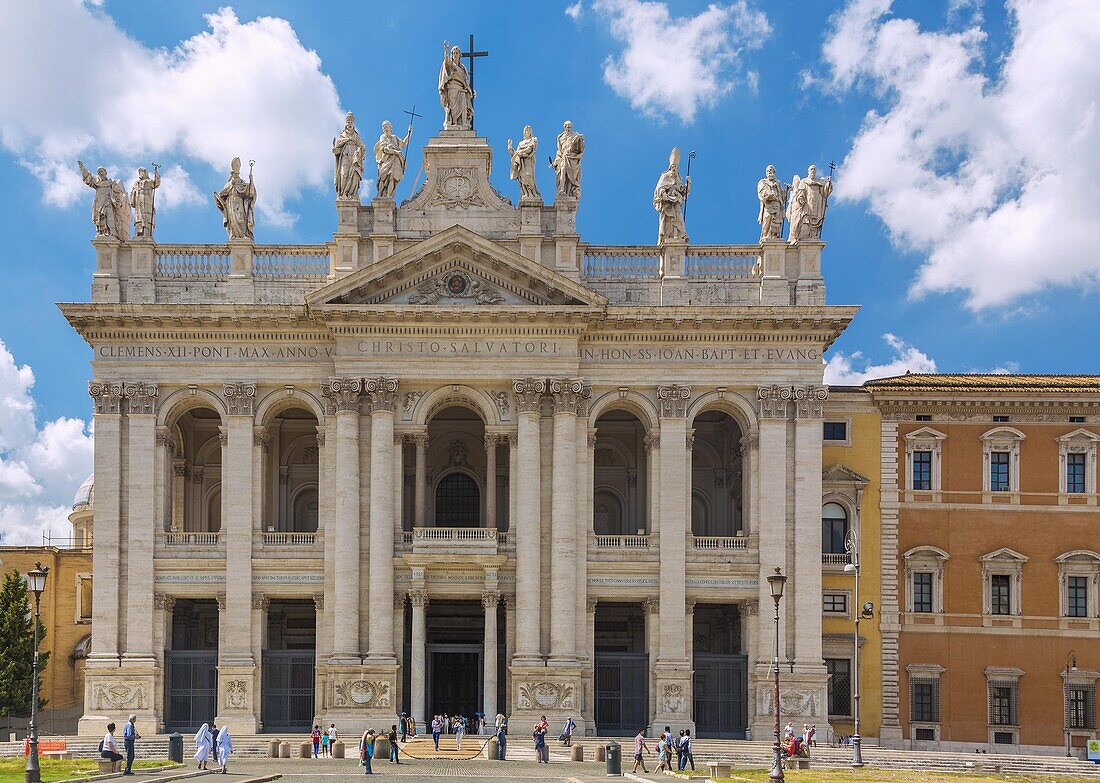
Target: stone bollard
[[577, 753], [493, 748], [284, 750], [275, 749], [382, 748], [338, 750], [304, 750], [601, 754]]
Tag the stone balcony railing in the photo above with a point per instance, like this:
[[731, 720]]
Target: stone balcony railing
[[621, 542], [290, 539], [454, 540], [179, 538], [835, 560], [720, 543]]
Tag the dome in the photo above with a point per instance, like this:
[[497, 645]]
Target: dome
[[84, 495]]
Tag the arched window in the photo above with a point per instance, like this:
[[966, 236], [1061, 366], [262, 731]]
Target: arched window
[[834, 528], [608, 517], [457, 501], [700, 515], [305, 511]]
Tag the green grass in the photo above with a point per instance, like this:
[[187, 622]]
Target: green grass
[[874, 775], [11, 770]]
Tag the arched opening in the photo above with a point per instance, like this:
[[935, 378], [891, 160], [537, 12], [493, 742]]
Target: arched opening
[[457, 501], [291, 472], [834, 528], [195, 472], [620, 491], [716, 476], [465, 477]]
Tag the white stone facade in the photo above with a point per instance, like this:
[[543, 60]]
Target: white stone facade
[[275, 428]]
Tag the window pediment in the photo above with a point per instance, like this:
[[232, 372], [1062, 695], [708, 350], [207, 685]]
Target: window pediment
[[926, 434], [1004, 555], [841, 474]]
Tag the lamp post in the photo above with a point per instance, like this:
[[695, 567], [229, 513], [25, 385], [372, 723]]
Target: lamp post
[[851, 545], [36, 583], [1071, 668], [776, 581]]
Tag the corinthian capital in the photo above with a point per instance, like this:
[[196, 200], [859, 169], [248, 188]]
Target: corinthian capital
[[672, 400], [528, 393], [382, 393], [107, 396], [240, 398], [773, 401], [141, 397], [809, 401], [342, 394], [567, 393]]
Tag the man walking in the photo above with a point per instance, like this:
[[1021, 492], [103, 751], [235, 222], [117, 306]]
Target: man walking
[[392, 737], [129, 739], [686, 755], [437, 729], [639, 748]]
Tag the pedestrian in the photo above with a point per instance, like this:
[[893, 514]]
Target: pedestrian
[[689, 754], [437, 729], [811, 736], [366, 750], [788, 731], [502, 736], [567, 732], [392, 737], [542, 753], [203, 743], [108, 748], [324, 742], [404, 727], [333, 737], [663, 764], [214, 741], [680, 751], [315, 738], [639, 748], [225, 748], [130, 737], [460, 731]]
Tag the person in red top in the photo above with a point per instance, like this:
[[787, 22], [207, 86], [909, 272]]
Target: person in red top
[[315, 735]]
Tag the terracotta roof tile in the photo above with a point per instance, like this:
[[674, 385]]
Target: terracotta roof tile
[[987, 382]]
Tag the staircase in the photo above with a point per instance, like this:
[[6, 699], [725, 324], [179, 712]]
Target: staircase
[[424, 748]]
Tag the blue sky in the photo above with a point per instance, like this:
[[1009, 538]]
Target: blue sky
[[965, 135]]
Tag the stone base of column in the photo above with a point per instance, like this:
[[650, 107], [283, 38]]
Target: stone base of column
[[558, 693], [672, 697], [113, 693], [358, 698], [890, 737], [237, 702], [802, 699]]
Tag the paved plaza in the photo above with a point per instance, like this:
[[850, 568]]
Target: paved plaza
[[329, 770]]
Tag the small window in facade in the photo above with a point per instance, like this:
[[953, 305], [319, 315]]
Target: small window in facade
[[834, 528], [924, 735], [1076, 419], [1000, 589], [1081, 707], [922, 592], [924, 700], [457, 502], [922, 470], [1000, 419], [998, 471], [924, 417], [840, 685], [1075, 472], [836, 430], [1077, 596], [1004, 705], [835, 603]]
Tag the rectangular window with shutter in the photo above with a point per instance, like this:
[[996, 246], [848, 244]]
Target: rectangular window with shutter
[[998, 471], [1004, 703], [1077, 596], [922, 592], [1081, 707], [924, 699], [1075, 473], [922, 470], [840, 685], [1000, 594]]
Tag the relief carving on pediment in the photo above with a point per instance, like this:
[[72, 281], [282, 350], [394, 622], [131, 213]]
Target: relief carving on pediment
[[455, 284]]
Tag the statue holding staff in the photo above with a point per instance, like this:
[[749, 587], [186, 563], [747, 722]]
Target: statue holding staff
[[523, 165], [143, 199], [668, 199], [808, 201], [110, 209], [349, 151], [456, 96], [236, 201], [390, 159]]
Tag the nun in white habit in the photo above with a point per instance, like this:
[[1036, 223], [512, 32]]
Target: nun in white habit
[[203, 742], [225, 748]]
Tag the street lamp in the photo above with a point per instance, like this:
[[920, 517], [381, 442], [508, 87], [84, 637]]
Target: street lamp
[[36, 583], [776, 582], [851, 546], [1071, 668]]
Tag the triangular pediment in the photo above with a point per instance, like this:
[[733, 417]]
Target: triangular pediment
[[841, 474], [456, 267]]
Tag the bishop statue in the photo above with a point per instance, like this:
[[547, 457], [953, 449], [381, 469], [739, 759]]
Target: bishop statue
[[808, 201], [668, 199], [349, 151], [236, 201]]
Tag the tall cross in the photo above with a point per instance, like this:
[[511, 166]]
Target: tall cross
[[412, 118], [470, 55]]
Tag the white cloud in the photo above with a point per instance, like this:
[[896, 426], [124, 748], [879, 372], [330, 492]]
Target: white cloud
[[678, 65], [40, 469], [854, 369], [992, 179], [78, 86], [575, 10]]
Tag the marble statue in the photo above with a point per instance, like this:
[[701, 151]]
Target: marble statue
[[142, 200], [773, 195], [110, 209], [809, 198], [236, 201], [349, 151], [668, 199], [523, 164], [455, 94], [567, 162], [390, 159]]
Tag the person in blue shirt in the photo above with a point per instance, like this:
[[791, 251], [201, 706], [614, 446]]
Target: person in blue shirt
[[130, 737]]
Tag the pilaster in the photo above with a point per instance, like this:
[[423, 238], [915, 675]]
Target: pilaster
[[382, 393], [141, 401], [528, 394], [105, 282], [566, 393]]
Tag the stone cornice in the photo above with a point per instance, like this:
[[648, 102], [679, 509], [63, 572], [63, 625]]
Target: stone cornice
[[1035, 409]]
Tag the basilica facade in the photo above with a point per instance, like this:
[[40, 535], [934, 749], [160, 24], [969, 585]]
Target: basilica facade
[[456, 459]]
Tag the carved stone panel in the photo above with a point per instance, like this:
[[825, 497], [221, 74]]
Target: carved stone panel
[[361, 694], [546, 696]]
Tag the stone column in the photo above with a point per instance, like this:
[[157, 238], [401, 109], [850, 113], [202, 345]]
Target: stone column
[[563, 562], [179, 491], [399, 441], [343, 395], [141, 399], [383, 396], [750, 626], [809, 413], [509, 640], [419, 600], [749, 442], [528, 529], [489, 674], [673, 669], [511, 440], [491, 483], [651, 608], [107, 398], [651, 444], [421, 486]]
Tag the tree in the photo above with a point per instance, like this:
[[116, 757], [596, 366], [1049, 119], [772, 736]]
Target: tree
[[17, 651]]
